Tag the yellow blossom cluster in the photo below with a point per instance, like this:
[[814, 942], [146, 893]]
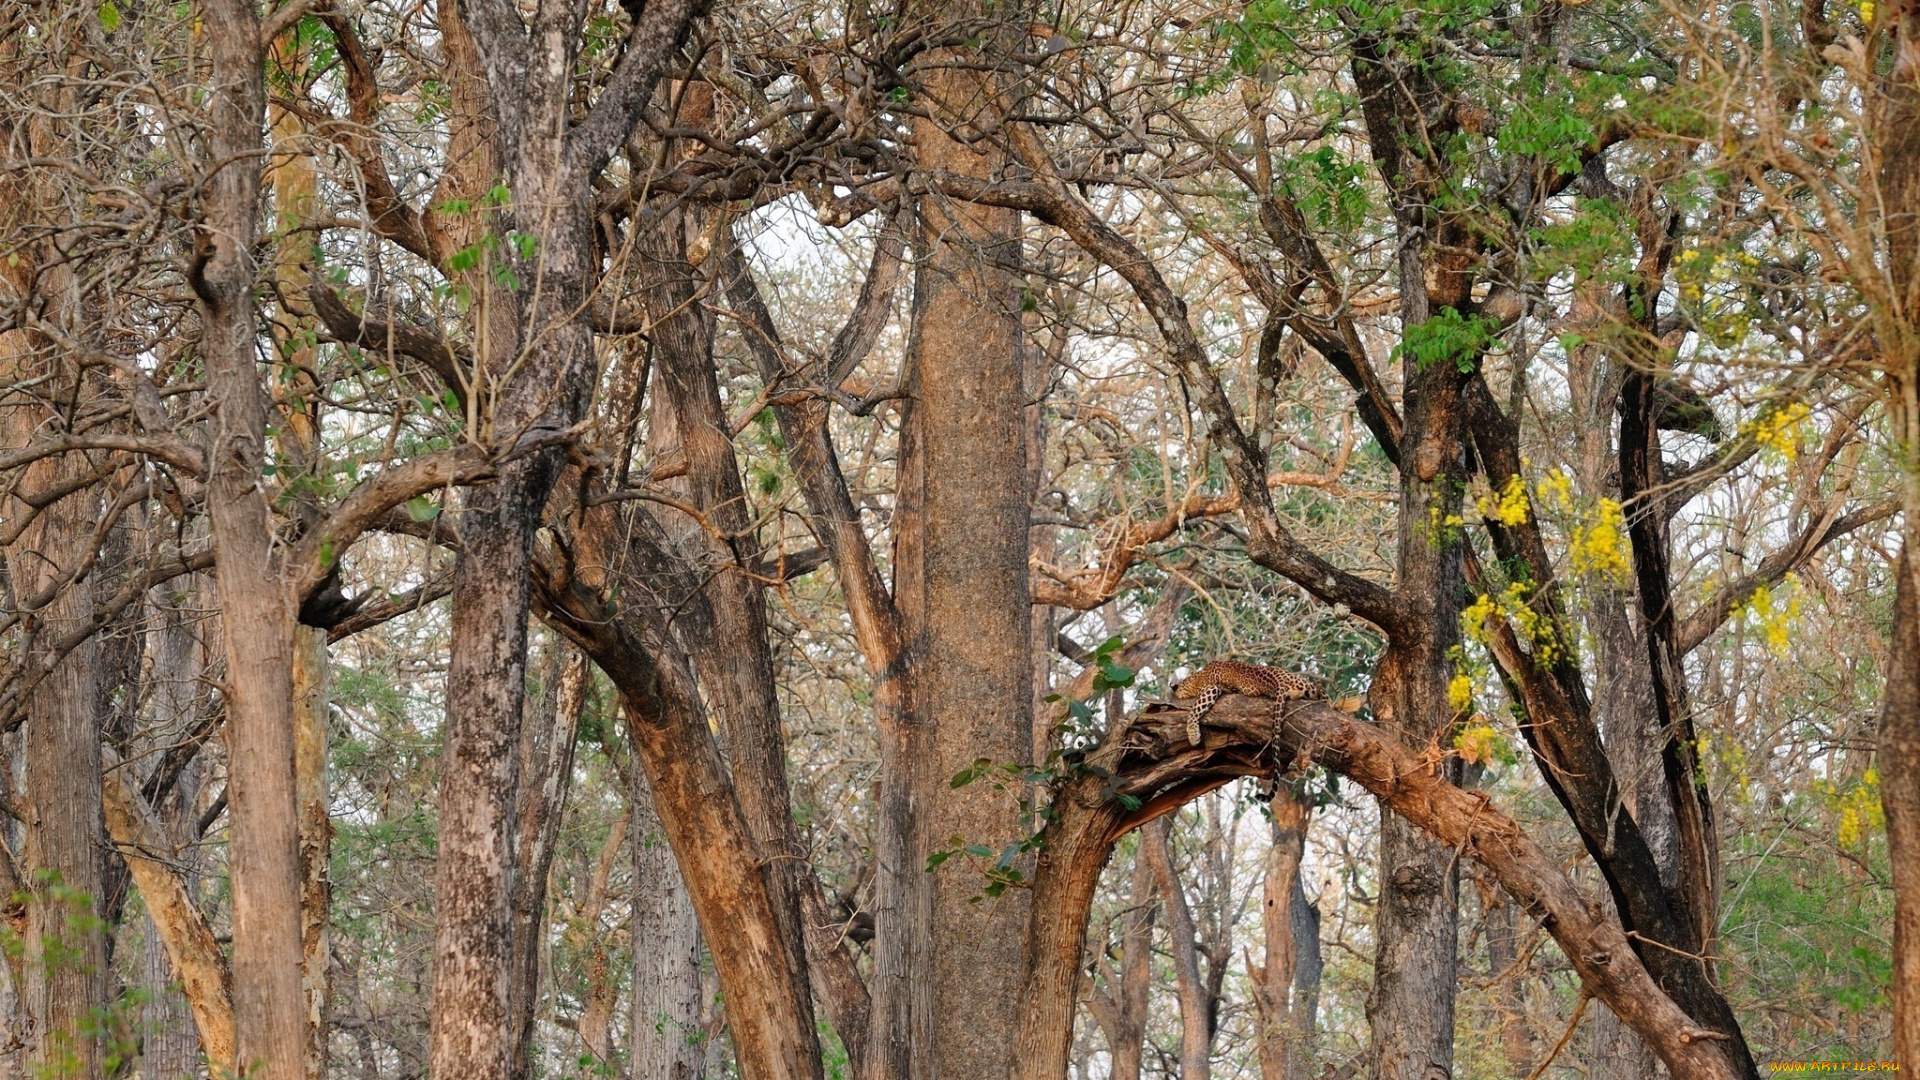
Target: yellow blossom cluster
[[1773, 612], [1479, 742], [1779, 430], [1512, 605], [1596, 536], [1509, 507], [1858, 806], [1460, 692], [1599, 545]]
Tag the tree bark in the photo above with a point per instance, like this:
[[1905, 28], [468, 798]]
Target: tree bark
[[875, 1027], [1196, 1042], [1277, 1002], [730, 645], [257, 611], [546, 771], [603, 604], [666, 1034], [964, 590], [1127, 1029], [550, 158], [204, 976], [1898, 133]]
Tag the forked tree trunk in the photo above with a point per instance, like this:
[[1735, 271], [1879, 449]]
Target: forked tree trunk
[[730, 644]]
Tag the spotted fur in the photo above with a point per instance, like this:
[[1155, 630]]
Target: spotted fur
[[1222, 677]]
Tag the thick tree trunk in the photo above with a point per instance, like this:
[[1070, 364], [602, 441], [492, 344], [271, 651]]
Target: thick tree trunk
[[1410, 1010], [486, 682], [257, 610], [666, 1035], [1899, 736], [965, 597], [550, 154], [65, 942], [62, 984]]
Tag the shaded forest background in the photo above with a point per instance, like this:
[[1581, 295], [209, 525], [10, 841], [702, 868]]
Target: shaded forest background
[[563, 539]]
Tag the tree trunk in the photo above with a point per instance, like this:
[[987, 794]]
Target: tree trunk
[[62, 985], [1411, 1007], [549, 161], [634, 644], [964, 593], [170, 1043], [1899, 736], [546, 770], [316, 832], [666, 1035], [65, 944], [730, 647], [1309, 964], [1196, 1042], [1283, 1056], [1127, 1029], [486, 681], [1899, 750], [256, 608], [1516, 1041]]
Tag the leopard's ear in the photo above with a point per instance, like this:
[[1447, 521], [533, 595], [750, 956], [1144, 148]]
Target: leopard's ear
[[1349, 704]]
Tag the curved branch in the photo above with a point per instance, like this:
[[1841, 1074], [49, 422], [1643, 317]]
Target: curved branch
[[1708, 617], [1145, 769]]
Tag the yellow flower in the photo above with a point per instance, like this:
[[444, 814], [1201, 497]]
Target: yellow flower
[[1460, 693], [1773, 614], [1779, 430], [1507, 508], [1600, 546], [1480, 742], [1557, 490]]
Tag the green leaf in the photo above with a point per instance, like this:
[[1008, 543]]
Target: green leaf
[[109, 16], [422, 509]]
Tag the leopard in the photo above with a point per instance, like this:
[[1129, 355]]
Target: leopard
[[1222, 677]]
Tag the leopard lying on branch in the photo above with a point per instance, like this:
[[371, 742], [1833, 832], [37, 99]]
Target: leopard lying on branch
[[1222, 677]]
